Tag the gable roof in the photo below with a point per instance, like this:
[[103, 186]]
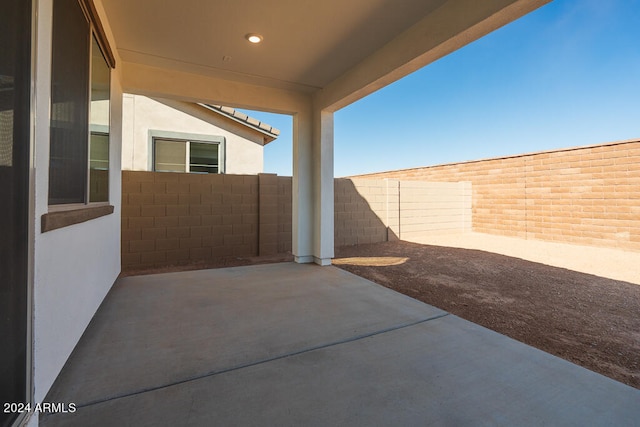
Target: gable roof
[[269, 131]]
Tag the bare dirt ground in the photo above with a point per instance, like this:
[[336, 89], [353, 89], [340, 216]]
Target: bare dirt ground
[[589, 320]]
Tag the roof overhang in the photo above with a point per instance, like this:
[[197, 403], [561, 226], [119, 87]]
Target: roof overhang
[[269, 132], [331, 51]]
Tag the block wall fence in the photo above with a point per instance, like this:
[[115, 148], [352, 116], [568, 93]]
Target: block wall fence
[[181, 218], [587, 196], [378, 210]]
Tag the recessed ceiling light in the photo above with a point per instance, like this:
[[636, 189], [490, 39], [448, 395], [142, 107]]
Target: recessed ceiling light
[[254, 38]]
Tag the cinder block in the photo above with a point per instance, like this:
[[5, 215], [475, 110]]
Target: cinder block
[[141, 222], [243, 208], [199, 210], [221, 230], [200, 231], [231, 219], [244, 250], [138, 199], [220, 188], [143, 176], [268, 248], [231, 240], [142, 245], [153, 258], [253, 218], [242, 229], [241, 188], [176, 187], [189, 221], [177, 256], [153, 210], [130, 210], [189, 199], [177, 210], [211, 198], [221, 209], [200, 188], [167, 244], [200, 254], [130, 260], [153, 187], [128, 234], [191, 242], [190, 178], [268, 230], [131, 187], [153, 233], [165, 199], [178, 232], [166, 221], [208, 220], [213, 241], [231, 199], [250, 199], [165, 177], [220, 251]]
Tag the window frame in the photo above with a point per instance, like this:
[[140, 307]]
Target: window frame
[[70, 103], [64, 214], [187, 138]]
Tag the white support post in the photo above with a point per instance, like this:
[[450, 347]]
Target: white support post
[[313, 187], [323, 187], [302, 195]]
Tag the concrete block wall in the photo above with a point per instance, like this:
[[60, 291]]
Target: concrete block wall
[[178, 218], [588, 195], [362, 214], [285, 215], [181, 218], [428, 208], [377, 210]]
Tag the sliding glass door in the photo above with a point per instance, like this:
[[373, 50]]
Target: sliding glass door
[[15, 82]]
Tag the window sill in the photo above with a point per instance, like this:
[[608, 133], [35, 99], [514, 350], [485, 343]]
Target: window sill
[[54, 220]]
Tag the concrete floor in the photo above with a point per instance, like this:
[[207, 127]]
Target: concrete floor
[[290, 344]]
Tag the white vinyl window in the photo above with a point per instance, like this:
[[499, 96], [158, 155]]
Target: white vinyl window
[[188, 155]]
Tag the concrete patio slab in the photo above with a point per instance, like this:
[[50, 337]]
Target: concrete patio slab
[[156, 330], [305, 345]]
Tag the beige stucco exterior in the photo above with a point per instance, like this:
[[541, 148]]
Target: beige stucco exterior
[[244, 147]]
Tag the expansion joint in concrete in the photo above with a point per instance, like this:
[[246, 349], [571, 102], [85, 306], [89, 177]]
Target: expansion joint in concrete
[[263, 361]]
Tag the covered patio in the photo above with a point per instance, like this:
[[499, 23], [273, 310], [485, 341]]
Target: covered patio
[[275, 344], [292, 344], [303, 59]]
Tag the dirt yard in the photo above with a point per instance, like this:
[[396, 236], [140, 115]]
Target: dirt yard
[[588, 320]]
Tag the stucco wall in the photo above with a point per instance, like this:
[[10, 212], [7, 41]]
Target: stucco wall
[[74, 266], [588, 195], [243, 147]]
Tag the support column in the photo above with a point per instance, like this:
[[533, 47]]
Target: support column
[[313, 187], [323, 187], [302, 191]]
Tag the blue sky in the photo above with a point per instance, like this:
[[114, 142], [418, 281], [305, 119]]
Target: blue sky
[[566, 75]]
